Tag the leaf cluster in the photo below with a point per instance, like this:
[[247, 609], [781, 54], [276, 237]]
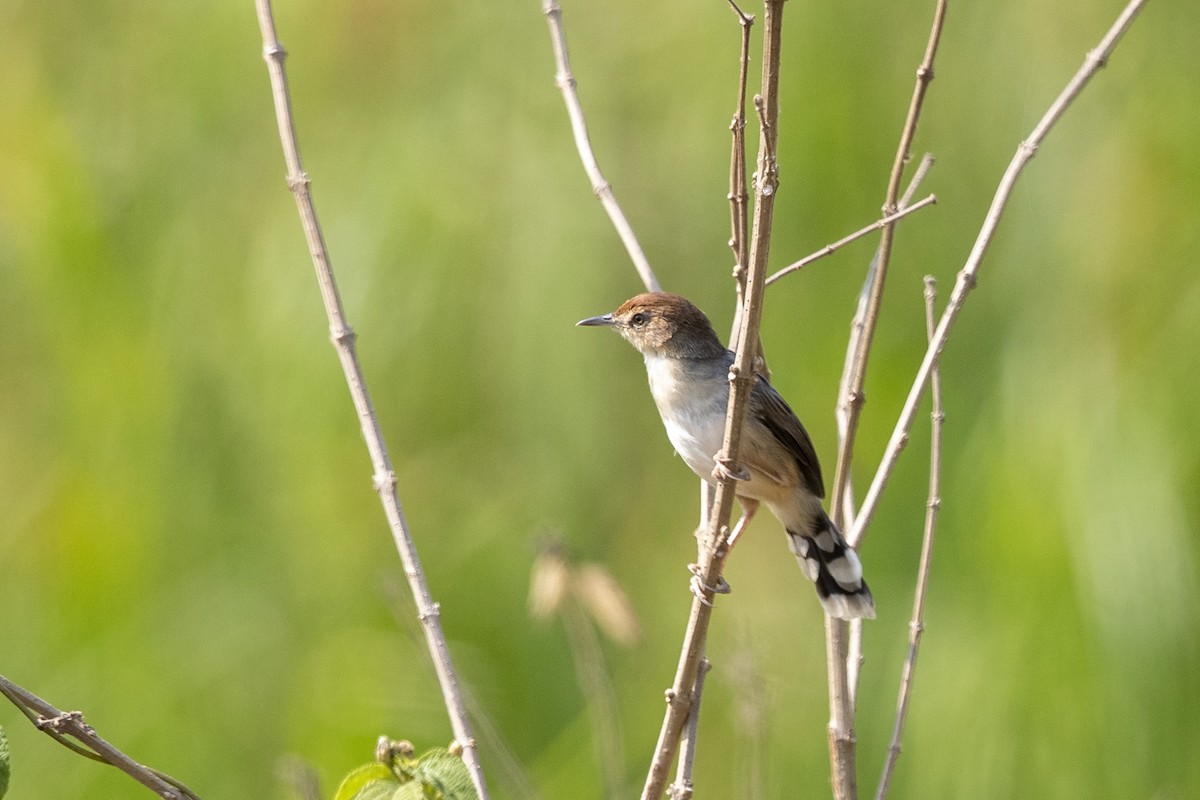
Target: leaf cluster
[[438, 774]]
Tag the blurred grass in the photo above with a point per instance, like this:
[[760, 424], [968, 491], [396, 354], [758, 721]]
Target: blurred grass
[[190, 549]]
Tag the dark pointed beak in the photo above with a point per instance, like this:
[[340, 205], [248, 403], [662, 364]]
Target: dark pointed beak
[[606, 320]]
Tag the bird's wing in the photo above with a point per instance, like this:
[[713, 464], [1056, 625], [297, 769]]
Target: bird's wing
[[769, 408]]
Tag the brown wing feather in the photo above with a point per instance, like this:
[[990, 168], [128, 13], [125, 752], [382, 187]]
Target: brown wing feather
[[769, 408]]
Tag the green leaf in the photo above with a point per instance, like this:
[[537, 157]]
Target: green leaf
[[410, 791], [3, 763], [446, 774], [388, 790], [368, 782]]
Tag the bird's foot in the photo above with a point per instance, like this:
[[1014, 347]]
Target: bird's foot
[[725, 470], [700, 588]]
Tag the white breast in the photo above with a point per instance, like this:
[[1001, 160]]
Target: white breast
[[692, 408]]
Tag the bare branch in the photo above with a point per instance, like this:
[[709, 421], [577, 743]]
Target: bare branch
[[739, 219], [830, 249], [855, 339], [853, 400], [741, 376], [854, 651], [965, 281], [86, 742], [917, 626], [683, 787], [841, 693], [842, 757], [565, 80], [344, 343]]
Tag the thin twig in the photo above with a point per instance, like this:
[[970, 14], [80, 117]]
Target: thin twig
[[683, 786], [917, 625], [344, 342], [844, 672], [855, 340], [741, 376], [62, 724], [739, 218], [841, 704], [854, 651], [966, 279], [842, 751], [853, 400], [565, 80], [830, 249]]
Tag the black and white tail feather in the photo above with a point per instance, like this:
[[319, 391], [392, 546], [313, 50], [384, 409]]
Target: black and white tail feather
[[833, 566]]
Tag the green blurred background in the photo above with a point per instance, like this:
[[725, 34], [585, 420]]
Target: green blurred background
[[190, 547]]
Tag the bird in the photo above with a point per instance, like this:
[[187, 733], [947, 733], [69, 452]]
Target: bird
[[688, 368]]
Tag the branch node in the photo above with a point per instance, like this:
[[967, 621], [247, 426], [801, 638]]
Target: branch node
[[299, 182], [743, 18], [60, 721], [384, 481], [433, 612], [681, 790]]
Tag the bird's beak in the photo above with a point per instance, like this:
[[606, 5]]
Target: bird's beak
[[606, 320]]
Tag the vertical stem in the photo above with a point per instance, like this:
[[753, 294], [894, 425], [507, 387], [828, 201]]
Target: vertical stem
[[853, 400], [739, 219], [344, 342], [741, 376], [841, 702], [683, 787], [917, 625]]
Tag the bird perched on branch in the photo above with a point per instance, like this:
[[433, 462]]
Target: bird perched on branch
[[689, 378]]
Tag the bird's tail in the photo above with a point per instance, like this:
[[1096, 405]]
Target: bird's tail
[[833, 566]]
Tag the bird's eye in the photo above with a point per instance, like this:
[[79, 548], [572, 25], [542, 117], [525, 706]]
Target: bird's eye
[[639, 319]]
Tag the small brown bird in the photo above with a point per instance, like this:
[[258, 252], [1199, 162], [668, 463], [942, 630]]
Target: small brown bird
[[689, 378]]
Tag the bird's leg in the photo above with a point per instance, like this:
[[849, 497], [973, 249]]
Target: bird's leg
[[749, 509]]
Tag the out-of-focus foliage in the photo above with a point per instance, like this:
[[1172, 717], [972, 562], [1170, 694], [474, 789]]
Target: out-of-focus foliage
[[190, 547], [436, 775]]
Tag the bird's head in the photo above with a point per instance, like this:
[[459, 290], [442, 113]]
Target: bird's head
[[663, 324]]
